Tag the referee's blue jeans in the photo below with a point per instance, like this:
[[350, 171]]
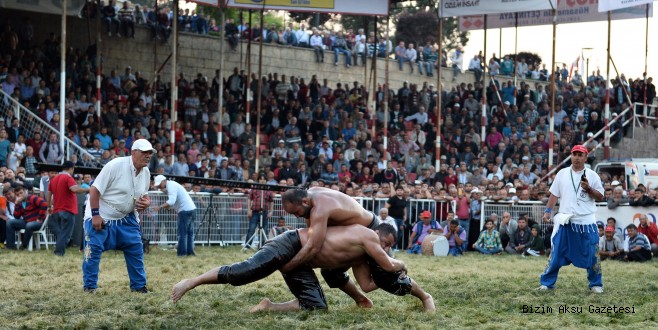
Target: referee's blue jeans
[[577, 244], [186, 233], [253, 224], [124, 235]]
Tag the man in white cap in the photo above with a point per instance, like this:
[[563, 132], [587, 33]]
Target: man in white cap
[[179, 199], [116, 197]]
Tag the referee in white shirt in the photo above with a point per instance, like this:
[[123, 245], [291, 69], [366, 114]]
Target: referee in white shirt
[[575, 241], [179, 199], [116, 197]]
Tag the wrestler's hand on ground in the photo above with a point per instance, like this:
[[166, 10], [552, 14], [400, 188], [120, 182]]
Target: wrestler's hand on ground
[[97, 222]]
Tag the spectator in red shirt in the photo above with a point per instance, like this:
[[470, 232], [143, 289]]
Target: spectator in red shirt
[[63, 206], [650, 230], [29, 213]]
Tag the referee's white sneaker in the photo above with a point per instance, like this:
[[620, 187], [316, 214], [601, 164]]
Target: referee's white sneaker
[[597, 289], [543, 288]]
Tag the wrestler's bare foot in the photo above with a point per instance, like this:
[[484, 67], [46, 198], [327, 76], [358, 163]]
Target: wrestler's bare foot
[[364, 303], [263, 306], [428, 304], [178, 290]]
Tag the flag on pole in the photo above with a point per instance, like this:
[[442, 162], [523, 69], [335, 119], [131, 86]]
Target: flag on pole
[[574, 64]]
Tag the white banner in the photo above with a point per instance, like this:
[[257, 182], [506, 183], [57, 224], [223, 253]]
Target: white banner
[[44, 6], [625, 215], [211, 3], [481, 7], [568, 12], [369, 8], [606, 5]]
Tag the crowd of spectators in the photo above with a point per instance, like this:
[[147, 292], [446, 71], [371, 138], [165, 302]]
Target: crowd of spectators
[[311, 131]]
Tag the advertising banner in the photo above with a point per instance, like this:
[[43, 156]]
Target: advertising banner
[[481, 7], [73, 7], [568, 12], [370, 7], [606, 5], [210, 3]]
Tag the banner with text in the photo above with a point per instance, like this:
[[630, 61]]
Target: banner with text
[[73, 7], [370, 7], [606, 5], [211, 3], [567, 12], [480, 7]]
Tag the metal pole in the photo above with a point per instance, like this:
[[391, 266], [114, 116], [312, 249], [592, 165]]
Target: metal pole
[[220, 92], [247, 87], [606, 116], [484, 88], [500, 44], [516, 44], [174, 83], [99, 62], [62, 81], [386, 88], [646, 56], [242, 23], [551, 126], [155, 53], [374, 84], [260, 88], [439, 91]]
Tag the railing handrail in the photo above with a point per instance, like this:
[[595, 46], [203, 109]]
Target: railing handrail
[[601, 131], [68, 141]]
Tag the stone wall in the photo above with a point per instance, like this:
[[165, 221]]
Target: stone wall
[[200, 54], [640, 144]]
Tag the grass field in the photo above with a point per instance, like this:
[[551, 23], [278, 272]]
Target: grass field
[[40, 291]]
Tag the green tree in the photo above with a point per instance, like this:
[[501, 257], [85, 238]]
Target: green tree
[[420, 27], [530, 58], [309, 18]]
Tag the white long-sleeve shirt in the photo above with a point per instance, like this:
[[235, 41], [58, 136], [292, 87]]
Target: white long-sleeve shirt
[[178, 197]]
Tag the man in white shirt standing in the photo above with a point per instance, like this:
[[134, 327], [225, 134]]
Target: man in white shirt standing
[[180, 200], [575, 235], [316, 43], [476, 66], [116, 197]]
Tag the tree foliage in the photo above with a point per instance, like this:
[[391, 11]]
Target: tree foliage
[[309, 18], [530, 58], [422, 26]]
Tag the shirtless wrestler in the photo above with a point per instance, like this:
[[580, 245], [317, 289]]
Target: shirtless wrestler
[[322, 207], [345, 246]]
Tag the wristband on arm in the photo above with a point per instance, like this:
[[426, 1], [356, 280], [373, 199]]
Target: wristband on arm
[[548, 210], [95, 212]]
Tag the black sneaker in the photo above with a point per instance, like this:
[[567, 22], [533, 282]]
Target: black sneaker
[[89, 290], [142, 290]]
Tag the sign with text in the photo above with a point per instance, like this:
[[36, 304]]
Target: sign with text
[[606, 5], [73, 7], [210, 3], [370, 7], [567, 12], [481, 7]]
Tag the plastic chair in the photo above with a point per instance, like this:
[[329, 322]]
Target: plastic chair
[[39, 234]]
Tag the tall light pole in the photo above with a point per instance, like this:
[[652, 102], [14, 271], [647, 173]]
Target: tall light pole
[[586, 53]]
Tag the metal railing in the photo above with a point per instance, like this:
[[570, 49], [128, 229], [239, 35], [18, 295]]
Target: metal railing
[[597, 134], [32, 123], [222, 219]]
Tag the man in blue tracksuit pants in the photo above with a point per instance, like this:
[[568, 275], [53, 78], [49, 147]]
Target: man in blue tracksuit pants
[[111, 216], [575, 236]]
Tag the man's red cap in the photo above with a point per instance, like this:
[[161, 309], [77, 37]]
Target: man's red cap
[[579, 148], [426, 214]]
